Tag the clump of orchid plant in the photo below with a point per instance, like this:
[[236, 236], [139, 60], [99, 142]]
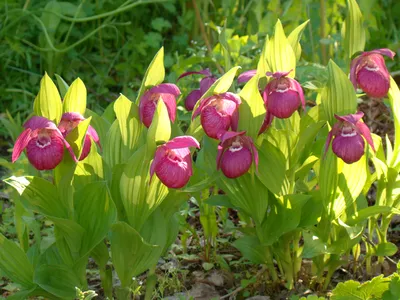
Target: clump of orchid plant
[[172, 161], [167, 92], [368, 71], [205, 83], [347, 135]]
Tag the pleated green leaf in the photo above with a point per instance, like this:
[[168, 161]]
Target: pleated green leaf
[[62, 85], [15, 264], [154, 75], [48, 102], [75, 98], [94, 198], [280, 54], [294, 39], [338, 96], [252, 110], [394, 100], [354, 32]]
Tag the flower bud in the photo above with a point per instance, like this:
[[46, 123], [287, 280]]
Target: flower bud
[[69, 121], [148, 102], [347, 135], [236, 153], [284, 95], [43, 142], [369, 72], [218, 113], [205, 84], [246, 76], [172, 161]]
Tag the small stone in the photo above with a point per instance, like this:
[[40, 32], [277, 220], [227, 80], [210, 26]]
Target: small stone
[[202, 291]]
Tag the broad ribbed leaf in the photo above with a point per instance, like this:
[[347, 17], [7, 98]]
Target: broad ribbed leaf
[[252, 110], [154, 75], [75, 98], [139, 197], [160, 128], [62, 85], [263, 66], [280, 54], [394, 100], [90, 169], [294, 39], [114, 152], [354, 36], [58, 280], [251, 249], [248, 194], [131, 254], [48, 102], [69, 235], [338, 96], [39, 195], [15, 264], [94, 198]]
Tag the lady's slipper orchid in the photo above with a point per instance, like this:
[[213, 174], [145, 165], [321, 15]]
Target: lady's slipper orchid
[[148, 102], [369, 72], [236, 153], [172, 162], [205, 84], [44, 144], [246, 76], [283, 95], [69, 121], [347, 135], [218, 113]]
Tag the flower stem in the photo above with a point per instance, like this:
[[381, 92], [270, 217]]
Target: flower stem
[[150, 283]]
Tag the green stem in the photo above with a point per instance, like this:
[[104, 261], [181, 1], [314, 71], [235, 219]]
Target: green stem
[[270, 264], [150, 283], [107, 14], [106, 281], [73, 22]]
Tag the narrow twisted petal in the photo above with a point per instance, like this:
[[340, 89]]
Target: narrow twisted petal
[[21, 143], [279, 74], [146, 110], [45, 150], [192, 99], [283, 104], [246, 76], [353, 70], [72, 116], [205, 72], [184, 141], [364, 130], [206, 83], [203, 103], [86, 147], [236, 161], [221, 150], [93, 134], [350, 148], [383, 51], [351, 118], [37, 122], [266, 123]]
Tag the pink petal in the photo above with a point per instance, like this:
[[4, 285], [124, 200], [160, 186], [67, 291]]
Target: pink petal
[[165, 88], [206, 83], [267, 122], [37, 122], [86, 148], [205, 72], [298, 88], [374, 83], [279, 74], [235, 120], [353, 70], [246, 76], [283, 105], [231, 96], [235, 162], [227, 136], [160, 152], [213, 122], [182, 142], [146, 110], [204, 102], [350, 149], [383, 51], [364, 130], [72, 116], [351, 118], [21, 143], [219, 156], [93, 134], [192, 99], [170, 103]]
